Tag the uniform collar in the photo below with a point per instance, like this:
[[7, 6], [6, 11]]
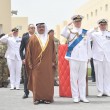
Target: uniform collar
[[15, 37], [103, 32], [79, 30]]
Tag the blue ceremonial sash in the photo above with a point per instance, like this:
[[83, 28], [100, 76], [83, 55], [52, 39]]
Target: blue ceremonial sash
[[75, 42]]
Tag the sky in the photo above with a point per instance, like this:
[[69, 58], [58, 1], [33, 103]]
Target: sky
[[52, 12]]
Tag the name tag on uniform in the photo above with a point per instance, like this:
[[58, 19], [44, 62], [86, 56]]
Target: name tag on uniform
[[18, 41], [108, 37]]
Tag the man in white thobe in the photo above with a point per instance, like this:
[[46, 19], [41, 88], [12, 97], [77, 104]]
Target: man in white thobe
[[78, 57]]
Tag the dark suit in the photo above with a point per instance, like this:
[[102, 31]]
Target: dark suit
[[24, 42], [92, 70], [92, 67]]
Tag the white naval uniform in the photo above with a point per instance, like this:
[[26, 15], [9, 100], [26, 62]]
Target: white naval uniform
[[78, 63], [101, 56], [13, 59]]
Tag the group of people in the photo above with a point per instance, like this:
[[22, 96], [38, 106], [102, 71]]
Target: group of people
[[80, 52], [37, 52]]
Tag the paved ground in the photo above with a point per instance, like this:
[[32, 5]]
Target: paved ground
[[12, 100]]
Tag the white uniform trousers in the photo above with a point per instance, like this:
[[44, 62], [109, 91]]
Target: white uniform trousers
[[15, 71], [102, 71], [78, 71]]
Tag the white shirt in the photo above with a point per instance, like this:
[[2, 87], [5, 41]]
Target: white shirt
[[101, 45], [82, 51], [30, 35], [13, 45]]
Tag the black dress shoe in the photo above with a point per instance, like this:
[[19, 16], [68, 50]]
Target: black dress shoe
[[55, 83], [93, 80], [25, 96], [41, 101], [47, 102], [36, 102]]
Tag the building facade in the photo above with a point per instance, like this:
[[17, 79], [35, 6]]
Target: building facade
[[21, 23], [5, 16], [92, 10]]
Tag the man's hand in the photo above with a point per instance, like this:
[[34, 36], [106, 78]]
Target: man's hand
[[53, 64], [96, 28], [23, 61], [70, 23], [10, 34]]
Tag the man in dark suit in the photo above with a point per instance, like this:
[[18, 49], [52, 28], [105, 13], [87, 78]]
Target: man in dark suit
[[24, 42]]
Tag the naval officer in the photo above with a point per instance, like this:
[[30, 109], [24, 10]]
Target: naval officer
[[78, 53], [101, 57], [12, 55]]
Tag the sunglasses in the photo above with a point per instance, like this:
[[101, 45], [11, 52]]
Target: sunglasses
[[41, 26]]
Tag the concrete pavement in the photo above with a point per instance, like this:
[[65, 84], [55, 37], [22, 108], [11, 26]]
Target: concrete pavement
[[12, 100]]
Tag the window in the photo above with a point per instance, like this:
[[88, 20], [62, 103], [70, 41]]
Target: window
[[100, 8], [91, 14], [106, 7], [1, 28], [87, 16], [96, 12]]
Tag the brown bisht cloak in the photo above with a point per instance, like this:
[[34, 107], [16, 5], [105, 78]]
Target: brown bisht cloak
[[39, 62]]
